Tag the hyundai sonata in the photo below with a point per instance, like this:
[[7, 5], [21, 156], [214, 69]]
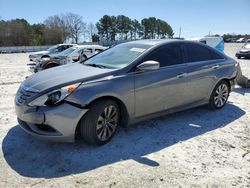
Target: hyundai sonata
[[123, 85]]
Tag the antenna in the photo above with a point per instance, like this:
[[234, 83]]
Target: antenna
[[180, 32]]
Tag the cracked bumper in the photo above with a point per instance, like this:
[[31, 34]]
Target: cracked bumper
[[57, 123]]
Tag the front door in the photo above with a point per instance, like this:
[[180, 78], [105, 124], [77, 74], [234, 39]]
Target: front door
[[161, 89]]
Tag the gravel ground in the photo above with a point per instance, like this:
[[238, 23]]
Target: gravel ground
[[194, 148]]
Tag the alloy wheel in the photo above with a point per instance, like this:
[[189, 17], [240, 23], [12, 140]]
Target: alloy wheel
[[107, 123], [221, 95]]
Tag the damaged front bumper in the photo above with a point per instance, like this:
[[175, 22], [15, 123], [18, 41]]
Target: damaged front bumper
[[57, 123]]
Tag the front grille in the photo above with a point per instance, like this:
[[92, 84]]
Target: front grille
[[23, 95]]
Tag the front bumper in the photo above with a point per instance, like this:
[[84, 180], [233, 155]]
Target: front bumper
[[32, 67], [240, 54], [57, 123]]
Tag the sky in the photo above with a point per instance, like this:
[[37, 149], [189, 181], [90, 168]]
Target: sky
[[194, 17]]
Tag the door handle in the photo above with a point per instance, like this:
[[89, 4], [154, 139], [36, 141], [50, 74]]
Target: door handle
[[181, 75], [215, 66]]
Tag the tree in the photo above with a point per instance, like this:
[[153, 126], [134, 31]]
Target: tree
[[95, 38], [156, 28], [75, 26], [92, 30], [135, 29], [123, 26], [37, 34], [163, 29], [56, 30], [14, 32], [106, 27], [70, 27]]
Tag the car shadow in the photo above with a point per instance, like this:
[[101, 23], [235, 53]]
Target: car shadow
[[241, 91], [38, 159]]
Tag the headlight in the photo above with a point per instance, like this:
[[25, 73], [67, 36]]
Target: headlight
[[45, 58], [55, 96]]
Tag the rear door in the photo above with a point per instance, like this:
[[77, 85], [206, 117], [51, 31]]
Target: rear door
[[202, 65], [161, 89]]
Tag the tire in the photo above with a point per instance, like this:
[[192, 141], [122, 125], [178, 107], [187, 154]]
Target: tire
[[51, 65], [99, 124], [219, 96], [238, 57], [45, 56]]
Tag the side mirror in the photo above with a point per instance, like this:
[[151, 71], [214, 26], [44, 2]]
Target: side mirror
[[148, 66]]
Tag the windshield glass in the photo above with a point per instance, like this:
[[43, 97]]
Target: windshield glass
[[119, 56], [68, 51], [52, 48]]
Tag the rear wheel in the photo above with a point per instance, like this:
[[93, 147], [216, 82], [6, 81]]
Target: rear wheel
[[99, 124], [219, 96]]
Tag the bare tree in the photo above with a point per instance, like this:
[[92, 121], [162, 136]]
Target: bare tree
[[75, 26], [56, 30], [91, 28]]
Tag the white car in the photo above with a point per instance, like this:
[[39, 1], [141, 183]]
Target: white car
[[71, 55], [84, 52], [241, 40], [52, 50]]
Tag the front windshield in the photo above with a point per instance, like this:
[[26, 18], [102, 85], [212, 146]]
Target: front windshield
[[119, 56], [52, 48], [68, 51]]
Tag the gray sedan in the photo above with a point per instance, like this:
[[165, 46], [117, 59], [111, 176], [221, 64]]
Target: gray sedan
[[123, 85]]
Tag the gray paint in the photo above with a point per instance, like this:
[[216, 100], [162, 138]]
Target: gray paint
[[145, 94]]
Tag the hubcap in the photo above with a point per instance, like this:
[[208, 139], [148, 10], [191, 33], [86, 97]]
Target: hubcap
[[107, 123], [221, 95]]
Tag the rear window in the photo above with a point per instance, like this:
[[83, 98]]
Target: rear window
[[197, 52], [216, 55]]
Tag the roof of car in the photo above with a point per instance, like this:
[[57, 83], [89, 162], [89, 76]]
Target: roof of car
[[66, 44], [153, 42], [91, 46]]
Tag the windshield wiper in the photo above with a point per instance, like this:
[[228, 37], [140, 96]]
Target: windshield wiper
[[99, 66]]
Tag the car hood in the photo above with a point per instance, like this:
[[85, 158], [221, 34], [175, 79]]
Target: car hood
[[40, 52], [63, 75], [245, 50]]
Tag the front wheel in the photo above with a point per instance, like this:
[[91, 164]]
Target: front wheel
[[99, 124], [50, 65], [219, 96]]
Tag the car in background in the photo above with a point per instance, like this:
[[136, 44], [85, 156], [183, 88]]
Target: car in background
[[71, 55], [47, 53], [51, 61], [241, 40], [244, 52], [230, 40], [123, 85], [84, 52]]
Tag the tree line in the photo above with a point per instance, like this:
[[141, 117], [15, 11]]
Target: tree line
[[234, 36], [71, 28], [123, 28]]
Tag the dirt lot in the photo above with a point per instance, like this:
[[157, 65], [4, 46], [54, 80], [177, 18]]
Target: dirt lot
[[194, 148]]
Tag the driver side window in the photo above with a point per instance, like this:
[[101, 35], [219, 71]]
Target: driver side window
[[166, 55]]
